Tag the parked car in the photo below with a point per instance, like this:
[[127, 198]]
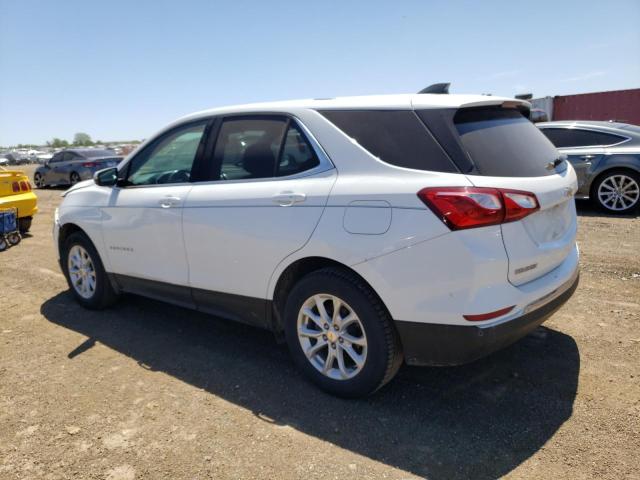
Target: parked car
[[15, 192], [537, 115], [43, 157], [606, 158], [72, 165], [367, 231], [37, 156], [15, 158]]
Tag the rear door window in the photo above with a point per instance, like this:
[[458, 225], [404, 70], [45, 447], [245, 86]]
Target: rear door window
[[297, 155], [261, 147], [397, 137], [575, 137], [503, 143]]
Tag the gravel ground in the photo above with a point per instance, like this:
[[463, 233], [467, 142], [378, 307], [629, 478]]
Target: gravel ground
[[149, 391]]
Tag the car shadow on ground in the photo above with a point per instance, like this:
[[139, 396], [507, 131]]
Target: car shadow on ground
[[585, 208], [476, 421]]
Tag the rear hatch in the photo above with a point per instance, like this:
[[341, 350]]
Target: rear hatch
[[499, 147]]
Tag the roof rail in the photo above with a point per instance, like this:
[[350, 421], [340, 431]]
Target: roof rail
[[439, 88]]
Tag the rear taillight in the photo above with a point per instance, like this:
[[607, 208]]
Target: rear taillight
[[471, 207], [15, 186], [24, 186], [89, 164], [518, 204]]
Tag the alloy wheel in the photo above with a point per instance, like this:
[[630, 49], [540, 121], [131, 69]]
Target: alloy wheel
[[75, 178], [38, 180], [332, 336], [618, 192], [81, 271]]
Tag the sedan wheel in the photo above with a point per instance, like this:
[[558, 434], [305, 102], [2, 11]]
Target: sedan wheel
[[618, 192], [38, 179], [74, 178]]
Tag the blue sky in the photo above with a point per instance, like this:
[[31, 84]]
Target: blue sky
[[122, 69]]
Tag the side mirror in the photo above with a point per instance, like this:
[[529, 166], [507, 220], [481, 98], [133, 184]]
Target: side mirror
[[107, 177]]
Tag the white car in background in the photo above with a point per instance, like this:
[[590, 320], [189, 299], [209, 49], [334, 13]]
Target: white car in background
[[40, 157], [431, 229]]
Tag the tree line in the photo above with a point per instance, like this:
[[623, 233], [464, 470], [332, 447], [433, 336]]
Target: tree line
[[80, 139]]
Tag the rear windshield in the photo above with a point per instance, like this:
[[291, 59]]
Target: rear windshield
[[503, 143], [397, 137]]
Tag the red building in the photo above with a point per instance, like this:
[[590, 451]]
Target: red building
[[619, 105]]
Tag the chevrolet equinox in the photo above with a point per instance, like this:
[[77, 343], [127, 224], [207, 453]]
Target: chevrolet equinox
[[431, 229]]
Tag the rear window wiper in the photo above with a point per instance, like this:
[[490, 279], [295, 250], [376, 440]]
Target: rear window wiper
[[556, 163]]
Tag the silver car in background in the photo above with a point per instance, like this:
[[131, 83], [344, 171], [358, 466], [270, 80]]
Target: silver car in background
[[606, 158], [72, 165]]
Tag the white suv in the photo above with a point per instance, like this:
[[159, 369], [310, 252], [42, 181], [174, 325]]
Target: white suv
[[367, 231]]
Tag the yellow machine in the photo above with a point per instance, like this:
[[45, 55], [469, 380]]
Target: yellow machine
[[15, 192]]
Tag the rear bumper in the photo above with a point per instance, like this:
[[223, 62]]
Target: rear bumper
[[439, 344], [26, 203]]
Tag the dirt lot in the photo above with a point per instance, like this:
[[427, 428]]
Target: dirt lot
[[146, 390]]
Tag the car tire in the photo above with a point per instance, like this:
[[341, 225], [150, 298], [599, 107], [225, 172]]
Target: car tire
[[3, 243], [74, 178], [85, 273], [38, 181], [376, 343], [617, 191], [24, 224]]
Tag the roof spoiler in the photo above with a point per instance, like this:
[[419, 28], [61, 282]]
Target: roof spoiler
[[437, 88]]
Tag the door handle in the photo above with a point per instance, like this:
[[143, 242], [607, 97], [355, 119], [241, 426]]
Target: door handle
[[169, 201], [286, 199], [586, 158]]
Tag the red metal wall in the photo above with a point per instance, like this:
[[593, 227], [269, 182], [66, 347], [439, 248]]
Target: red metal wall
[[621, 105]]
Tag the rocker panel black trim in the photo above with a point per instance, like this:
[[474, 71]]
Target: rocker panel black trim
[[249, 310]]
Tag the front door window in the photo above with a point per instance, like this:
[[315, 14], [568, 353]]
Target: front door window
[[168, 159]]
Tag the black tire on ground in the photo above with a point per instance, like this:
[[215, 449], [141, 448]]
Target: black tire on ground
[[24, 224], [3, 244], [384, 351], [104, 295], [74, 178], [595, 198]]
